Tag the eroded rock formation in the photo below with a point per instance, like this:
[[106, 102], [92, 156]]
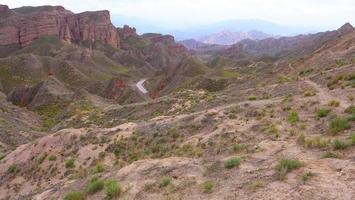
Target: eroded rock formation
[[23, 25]]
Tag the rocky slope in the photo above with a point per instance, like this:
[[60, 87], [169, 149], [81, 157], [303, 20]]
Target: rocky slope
[[64, 65], [17, 126]]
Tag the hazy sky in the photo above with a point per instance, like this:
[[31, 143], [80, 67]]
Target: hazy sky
[[295, 12]]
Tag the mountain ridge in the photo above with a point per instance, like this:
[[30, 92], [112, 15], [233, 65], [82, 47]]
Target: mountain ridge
[[21, 26], [228, 37]]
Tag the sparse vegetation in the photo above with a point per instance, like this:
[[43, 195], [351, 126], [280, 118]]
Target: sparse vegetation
[[14, 168], [342, 80], [350, 109], [252, 98], [230, 74], [148, 186], [309, 93], [254, 185], [340, 62], [95, 185], [207, 128], [99, 168], [70, 163], [331, 154], [164, 181], [239, 147], [340, 144], [272, 129], [285, 166], [283, 79], [52, 158], [232, 162], [334, 103], [322, 112], [353, 139], [314, 142], [338, 124], [207, 186], [49, 113], [75, 196], [306, 176], [112, 189], [293, 117], [155, 145]]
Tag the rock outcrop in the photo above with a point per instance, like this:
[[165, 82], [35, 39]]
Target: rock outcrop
[[127, 31], [44, 93], [23, 25]]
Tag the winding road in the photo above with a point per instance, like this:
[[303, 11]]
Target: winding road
[[141, 87]]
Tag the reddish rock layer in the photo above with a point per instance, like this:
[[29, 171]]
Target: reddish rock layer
[[23, 25], [126, 32]]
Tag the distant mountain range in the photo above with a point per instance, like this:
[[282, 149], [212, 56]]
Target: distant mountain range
[[181, 32], [228, 37]]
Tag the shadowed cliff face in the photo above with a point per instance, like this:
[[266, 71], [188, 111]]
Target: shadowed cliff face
[[21, 26]]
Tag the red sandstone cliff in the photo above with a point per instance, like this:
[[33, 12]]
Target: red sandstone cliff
[[23, 25]]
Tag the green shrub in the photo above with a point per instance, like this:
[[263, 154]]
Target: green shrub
[[285, 166], [293, 117], [353, 139], [351, 118], [316, 142], [322, 112], [350, 109], [112, 189], [272, 129], [164, 181], [75, 196], [309, 93], [148, 186], [334, 103], [302, 139], [239, 147], [2, 156], [340, 62], [52, 158], [232, 116], [40, 158], [70, 163], [339, 124], [232, 162], [340, 144], [207, 186], [14, 168], [99, 168], [94, 185], [306, 176], [252, 98], [331, 154], [213, 168], [253, 185]]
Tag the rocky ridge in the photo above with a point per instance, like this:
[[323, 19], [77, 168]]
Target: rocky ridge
[[21, 26]]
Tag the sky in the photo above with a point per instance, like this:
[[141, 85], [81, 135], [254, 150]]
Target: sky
[[327, 13]]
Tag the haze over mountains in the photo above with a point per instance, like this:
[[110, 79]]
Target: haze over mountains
[[199, 30], [228, 37], [91, 111]]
